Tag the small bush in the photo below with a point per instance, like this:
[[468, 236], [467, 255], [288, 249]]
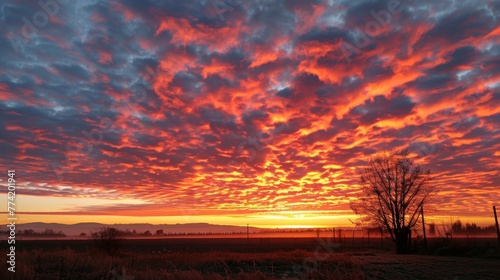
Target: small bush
[[108, 239]]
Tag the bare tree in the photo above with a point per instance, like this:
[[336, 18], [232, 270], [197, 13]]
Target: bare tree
[[108, 239], [393, 190]]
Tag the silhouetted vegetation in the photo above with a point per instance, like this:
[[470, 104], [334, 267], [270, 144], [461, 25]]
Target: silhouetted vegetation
[[31, 232], [108, 239], [68, 264], [393, 191], [471, 229], [200, 258]]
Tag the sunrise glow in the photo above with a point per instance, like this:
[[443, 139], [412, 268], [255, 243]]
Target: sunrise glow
[[257, 113]]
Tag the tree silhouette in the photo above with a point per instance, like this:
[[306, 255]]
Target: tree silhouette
[[393, 190], [108, 239]]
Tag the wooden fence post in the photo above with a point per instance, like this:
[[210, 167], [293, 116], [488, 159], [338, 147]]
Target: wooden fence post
[[496, 223], [382, 238], [423, 227]]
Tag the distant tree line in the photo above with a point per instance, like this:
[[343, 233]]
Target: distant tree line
[[123, 233], [161, 232], [46, 232], [472, 228]]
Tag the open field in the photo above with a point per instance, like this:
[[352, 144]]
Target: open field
[[239, 258]]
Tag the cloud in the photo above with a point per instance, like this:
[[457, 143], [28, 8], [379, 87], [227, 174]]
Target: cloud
[[251, 110]]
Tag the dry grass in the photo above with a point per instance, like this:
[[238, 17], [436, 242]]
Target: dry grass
[[67, 264], [47, 261]]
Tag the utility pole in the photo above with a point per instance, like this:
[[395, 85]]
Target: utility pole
[[381, 238], [423, 226], [496, 223], [248, 236]]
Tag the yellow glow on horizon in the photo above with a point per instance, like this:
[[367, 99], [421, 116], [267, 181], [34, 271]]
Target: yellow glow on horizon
[[30, 209], [30, 203], [267, 221], [264, 221]]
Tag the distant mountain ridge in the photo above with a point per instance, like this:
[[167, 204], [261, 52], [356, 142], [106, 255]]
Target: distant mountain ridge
[[76, 229]]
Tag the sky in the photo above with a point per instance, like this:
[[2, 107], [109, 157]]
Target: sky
[[233, 112]]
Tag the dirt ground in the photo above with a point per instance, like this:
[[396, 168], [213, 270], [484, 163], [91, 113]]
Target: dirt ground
[[383, 265]]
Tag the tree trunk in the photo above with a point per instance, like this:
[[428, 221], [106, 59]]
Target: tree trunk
[[402, 241]]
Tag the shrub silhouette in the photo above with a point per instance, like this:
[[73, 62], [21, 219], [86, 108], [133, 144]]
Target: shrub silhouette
[[108, 239]]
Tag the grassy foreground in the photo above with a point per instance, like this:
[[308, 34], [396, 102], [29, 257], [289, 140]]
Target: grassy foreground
[[298, 264], [229, 259]]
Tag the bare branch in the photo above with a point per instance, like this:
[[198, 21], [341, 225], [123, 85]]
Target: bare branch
[[393, 191]]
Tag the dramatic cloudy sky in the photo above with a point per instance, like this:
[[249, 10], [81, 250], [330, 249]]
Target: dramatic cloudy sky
[[231, 111]]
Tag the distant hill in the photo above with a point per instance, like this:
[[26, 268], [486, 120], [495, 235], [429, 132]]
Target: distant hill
[[76, 229]]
